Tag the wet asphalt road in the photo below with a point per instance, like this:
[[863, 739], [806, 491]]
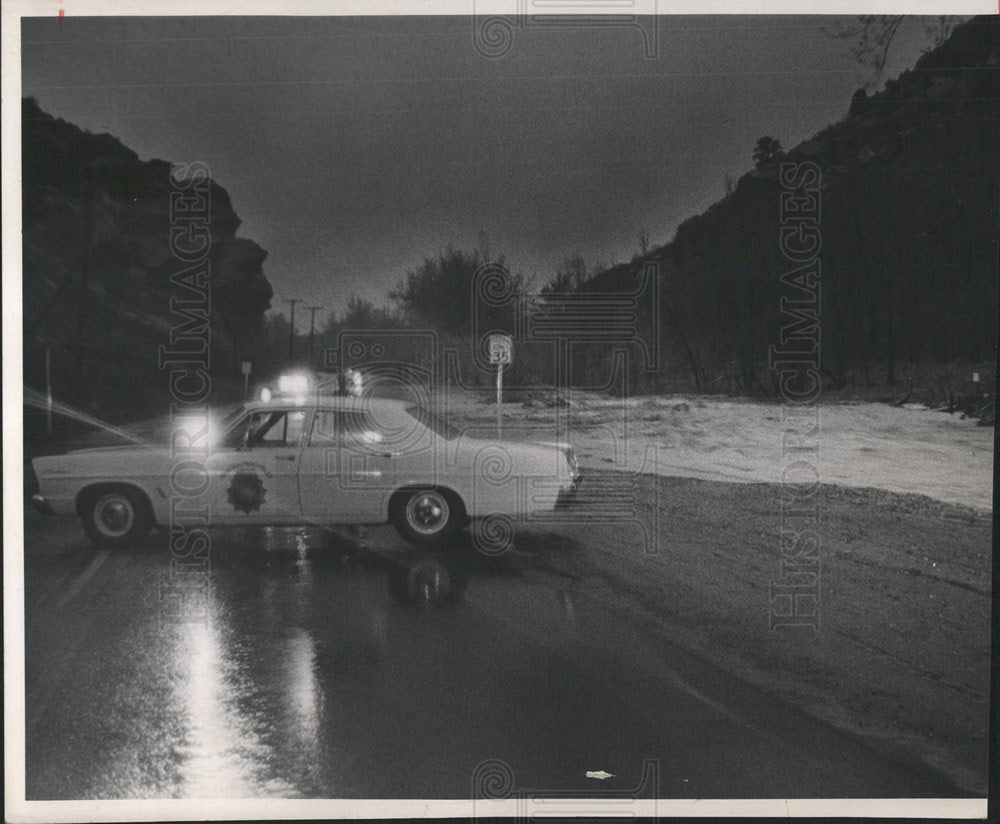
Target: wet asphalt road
[[315, 667]]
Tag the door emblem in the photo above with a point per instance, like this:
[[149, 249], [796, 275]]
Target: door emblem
[[246, 492]]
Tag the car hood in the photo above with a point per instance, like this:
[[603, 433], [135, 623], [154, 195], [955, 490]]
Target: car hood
[[116, 450], [93, 461]]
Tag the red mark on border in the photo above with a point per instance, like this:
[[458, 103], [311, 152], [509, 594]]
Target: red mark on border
[[62, 14]]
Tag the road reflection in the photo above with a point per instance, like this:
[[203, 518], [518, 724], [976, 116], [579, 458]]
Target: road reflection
[[222, 749], [268, 680], [319, 667]]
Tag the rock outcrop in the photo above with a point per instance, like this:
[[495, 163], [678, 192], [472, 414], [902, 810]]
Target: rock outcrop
[[97, 268], [909, 191]]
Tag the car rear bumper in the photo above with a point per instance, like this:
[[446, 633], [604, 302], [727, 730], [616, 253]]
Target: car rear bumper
[[567, 495]]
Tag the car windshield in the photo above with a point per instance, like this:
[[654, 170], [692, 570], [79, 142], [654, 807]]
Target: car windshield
[[231, 417], [437, 425]]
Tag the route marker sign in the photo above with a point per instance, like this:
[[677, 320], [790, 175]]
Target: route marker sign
[[501, 351]]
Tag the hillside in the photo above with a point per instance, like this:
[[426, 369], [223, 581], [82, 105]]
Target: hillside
[[97, 267], [909, 208]]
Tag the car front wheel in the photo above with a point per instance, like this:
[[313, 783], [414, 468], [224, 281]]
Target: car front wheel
[[426, 517], [116, 517]]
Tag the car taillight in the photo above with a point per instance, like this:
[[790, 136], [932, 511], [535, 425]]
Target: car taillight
[[574, 464]]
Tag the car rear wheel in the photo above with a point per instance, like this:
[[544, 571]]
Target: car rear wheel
[[116, 517], [426, 517]]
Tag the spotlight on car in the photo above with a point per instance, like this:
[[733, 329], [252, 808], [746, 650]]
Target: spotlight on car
[[265, 394]]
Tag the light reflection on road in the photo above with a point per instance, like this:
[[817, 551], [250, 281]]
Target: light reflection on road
[[229, 736], [219, 743]]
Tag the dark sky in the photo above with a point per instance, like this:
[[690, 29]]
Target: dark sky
[[354, 147]]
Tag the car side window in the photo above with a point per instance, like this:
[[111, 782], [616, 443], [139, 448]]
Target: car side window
[[360, 431], [275, 429], [324, 431], [353, 430]]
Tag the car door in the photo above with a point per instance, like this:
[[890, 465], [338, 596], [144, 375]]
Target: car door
[[346, 473], [253, 473]]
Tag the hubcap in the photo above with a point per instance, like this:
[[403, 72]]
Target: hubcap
[[427, 512], [114, 515]]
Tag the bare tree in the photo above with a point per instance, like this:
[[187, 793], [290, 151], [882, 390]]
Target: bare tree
[[644, 242], [485, 249], [870, 39]]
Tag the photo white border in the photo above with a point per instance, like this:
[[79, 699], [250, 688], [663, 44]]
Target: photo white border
[[17, 809]]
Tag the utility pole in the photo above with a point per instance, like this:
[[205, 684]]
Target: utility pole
[[48, 391], [291, 331], [86, 189], [312, 330]]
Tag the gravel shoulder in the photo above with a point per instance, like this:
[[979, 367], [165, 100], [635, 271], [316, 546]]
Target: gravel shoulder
[[901, 656]]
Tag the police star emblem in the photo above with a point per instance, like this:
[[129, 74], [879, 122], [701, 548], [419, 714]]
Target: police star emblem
[[246, 492]]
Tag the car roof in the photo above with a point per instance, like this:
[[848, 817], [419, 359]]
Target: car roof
[[343, 402]]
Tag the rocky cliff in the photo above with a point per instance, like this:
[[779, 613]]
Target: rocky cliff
[[97, 268]]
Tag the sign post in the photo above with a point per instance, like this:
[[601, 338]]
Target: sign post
[[245, 368], [501, 351]]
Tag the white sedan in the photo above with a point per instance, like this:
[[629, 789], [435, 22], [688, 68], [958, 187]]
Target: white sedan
[[304, 460]]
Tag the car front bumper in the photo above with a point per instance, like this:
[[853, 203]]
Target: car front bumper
[[41, 504]]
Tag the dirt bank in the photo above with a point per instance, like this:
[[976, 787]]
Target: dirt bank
[[909, 450]]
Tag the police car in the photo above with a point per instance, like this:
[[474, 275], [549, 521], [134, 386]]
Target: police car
[[303, 457]]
